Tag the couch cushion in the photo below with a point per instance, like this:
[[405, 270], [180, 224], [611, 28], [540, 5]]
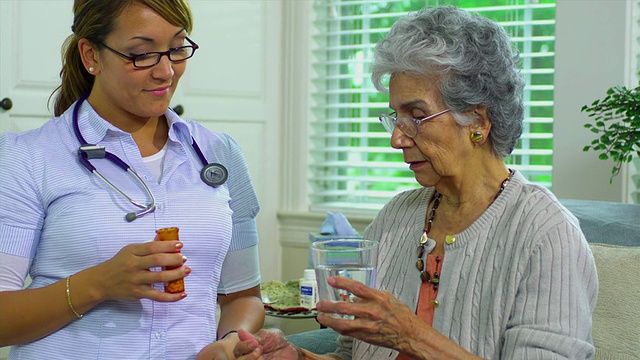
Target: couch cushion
[[616, 319], [607, 222]]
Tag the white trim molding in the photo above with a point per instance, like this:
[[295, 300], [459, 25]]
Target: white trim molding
[[631, 172]]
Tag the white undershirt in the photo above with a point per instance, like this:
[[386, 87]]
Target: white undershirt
[[155, 162]]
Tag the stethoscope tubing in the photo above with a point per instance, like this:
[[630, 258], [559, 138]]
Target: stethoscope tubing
[[212, 174], [146, 207]]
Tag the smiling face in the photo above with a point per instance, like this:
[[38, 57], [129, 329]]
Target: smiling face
[[127, 96], [441, 149]]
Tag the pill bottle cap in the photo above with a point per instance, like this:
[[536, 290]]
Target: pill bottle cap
[[309, 274]]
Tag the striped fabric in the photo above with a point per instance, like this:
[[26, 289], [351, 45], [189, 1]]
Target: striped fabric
[[519, 283], [65, 218]]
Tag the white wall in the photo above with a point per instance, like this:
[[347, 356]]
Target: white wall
[[591, 56]]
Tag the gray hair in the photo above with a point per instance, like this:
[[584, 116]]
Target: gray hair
[[473, 58]]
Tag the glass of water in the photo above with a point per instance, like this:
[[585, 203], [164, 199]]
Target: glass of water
[[352, 258]]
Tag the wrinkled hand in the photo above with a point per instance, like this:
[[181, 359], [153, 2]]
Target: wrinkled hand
[[267, 344], [380, 318], [127, 275]]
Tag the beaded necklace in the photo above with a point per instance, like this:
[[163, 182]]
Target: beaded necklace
[[449, 239]]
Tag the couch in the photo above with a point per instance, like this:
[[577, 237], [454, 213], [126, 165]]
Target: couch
[[613, 232]]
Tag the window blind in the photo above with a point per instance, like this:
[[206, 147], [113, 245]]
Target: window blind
[[352, 164]]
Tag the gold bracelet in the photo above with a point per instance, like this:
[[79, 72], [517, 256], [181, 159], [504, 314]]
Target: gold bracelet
[[69, 300]]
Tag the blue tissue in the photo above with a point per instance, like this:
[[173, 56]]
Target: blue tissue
[[335, 226]]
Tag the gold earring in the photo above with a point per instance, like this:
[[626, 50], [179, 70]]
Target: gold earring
[[476, 137]]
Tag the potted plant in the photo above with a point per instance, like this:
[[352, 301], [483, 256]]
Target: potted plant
[[616, 121]]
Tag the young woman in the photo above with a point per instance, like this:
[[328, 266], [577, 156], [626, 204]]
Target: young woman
[[83, 195]]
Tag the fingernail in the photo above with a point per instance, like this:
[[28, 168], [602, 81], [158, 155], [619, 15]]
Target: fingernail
[[187, 270], [179, 245], [184, 259]]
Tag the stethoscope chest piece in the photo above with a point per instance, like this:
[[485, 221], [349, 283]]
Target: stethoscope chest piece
[[214, 174]]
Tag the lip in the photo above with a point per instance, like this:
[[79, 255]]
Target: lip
[[162, 91], [414, 165]]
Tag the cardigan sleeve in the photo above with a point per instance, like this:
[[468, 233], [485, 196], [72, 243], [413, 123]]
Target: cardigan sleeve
[[551, 317]]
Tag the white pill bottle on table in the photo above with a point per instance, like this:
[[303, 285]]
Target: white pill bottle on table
[[308, 289]]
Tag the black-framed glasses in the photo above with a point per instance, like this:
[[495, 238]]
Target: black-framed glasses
[[147, 60], [407, 124]]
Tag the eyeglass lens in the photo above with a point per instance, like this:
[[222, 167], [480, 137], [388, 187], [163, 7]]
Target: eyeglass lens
[[387, 122], [150, 59], [407, 126]]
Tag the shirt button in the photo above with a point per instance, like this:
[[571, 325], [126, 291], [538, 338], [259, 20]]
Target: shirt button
[[158, 335]]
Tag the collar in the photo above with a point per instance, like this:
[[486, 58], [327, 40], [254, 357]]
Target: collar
[[95, 129]]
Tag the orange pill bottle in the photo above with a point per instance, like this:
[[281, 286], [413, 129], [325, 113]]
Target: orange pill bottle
[[166, 234]]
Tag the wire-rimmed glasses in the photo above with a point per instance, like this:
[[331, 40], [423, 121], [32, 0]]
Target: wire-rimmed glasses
[[407, 124], [147, 60]]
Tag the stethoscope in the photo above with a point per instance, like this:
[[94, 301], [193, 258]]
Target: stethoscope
[[212, 174]]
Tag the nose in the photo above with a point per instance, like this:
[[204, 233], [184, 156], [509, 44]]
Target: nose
[[164, 68], [399, 139]]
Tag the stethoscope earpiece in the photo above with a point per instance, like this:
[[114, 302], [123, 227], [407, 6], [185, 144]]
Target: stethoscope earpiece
[[214, 174]]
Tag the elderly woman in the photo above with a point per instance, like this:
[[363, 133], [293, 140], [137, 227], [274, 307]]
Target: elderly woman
[[478, 262]]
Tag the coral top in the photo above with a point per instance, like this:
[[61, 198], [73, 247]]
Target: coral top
[[426, 300]]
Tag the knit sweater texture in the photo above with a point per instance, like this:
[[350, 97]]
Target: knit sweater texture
[[519, 283]]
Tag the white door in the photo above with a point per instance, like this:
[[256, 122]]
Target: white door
[[31, 36]]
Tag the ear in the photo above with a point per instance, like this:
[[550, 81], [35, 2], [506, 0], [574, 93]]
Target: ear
[[482, 123], [89, 56]]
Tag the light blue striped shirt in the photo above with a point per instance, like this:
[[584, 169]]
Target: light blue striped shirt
[[53, 211]]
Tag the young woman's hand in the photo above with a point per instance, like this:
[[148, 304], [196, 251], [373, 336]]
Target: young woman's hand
[[130, 274]]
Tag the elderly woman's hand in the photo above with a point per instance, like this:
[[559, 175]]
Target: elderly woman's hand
[[265, 345], [379, 317]]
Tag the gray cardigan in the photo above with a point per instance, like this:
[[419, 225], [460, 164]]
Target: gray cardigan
[[519, 283]]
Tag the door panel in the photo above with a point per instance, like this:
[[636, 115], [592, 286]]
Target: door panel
[[226, 78], [30, 60]]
